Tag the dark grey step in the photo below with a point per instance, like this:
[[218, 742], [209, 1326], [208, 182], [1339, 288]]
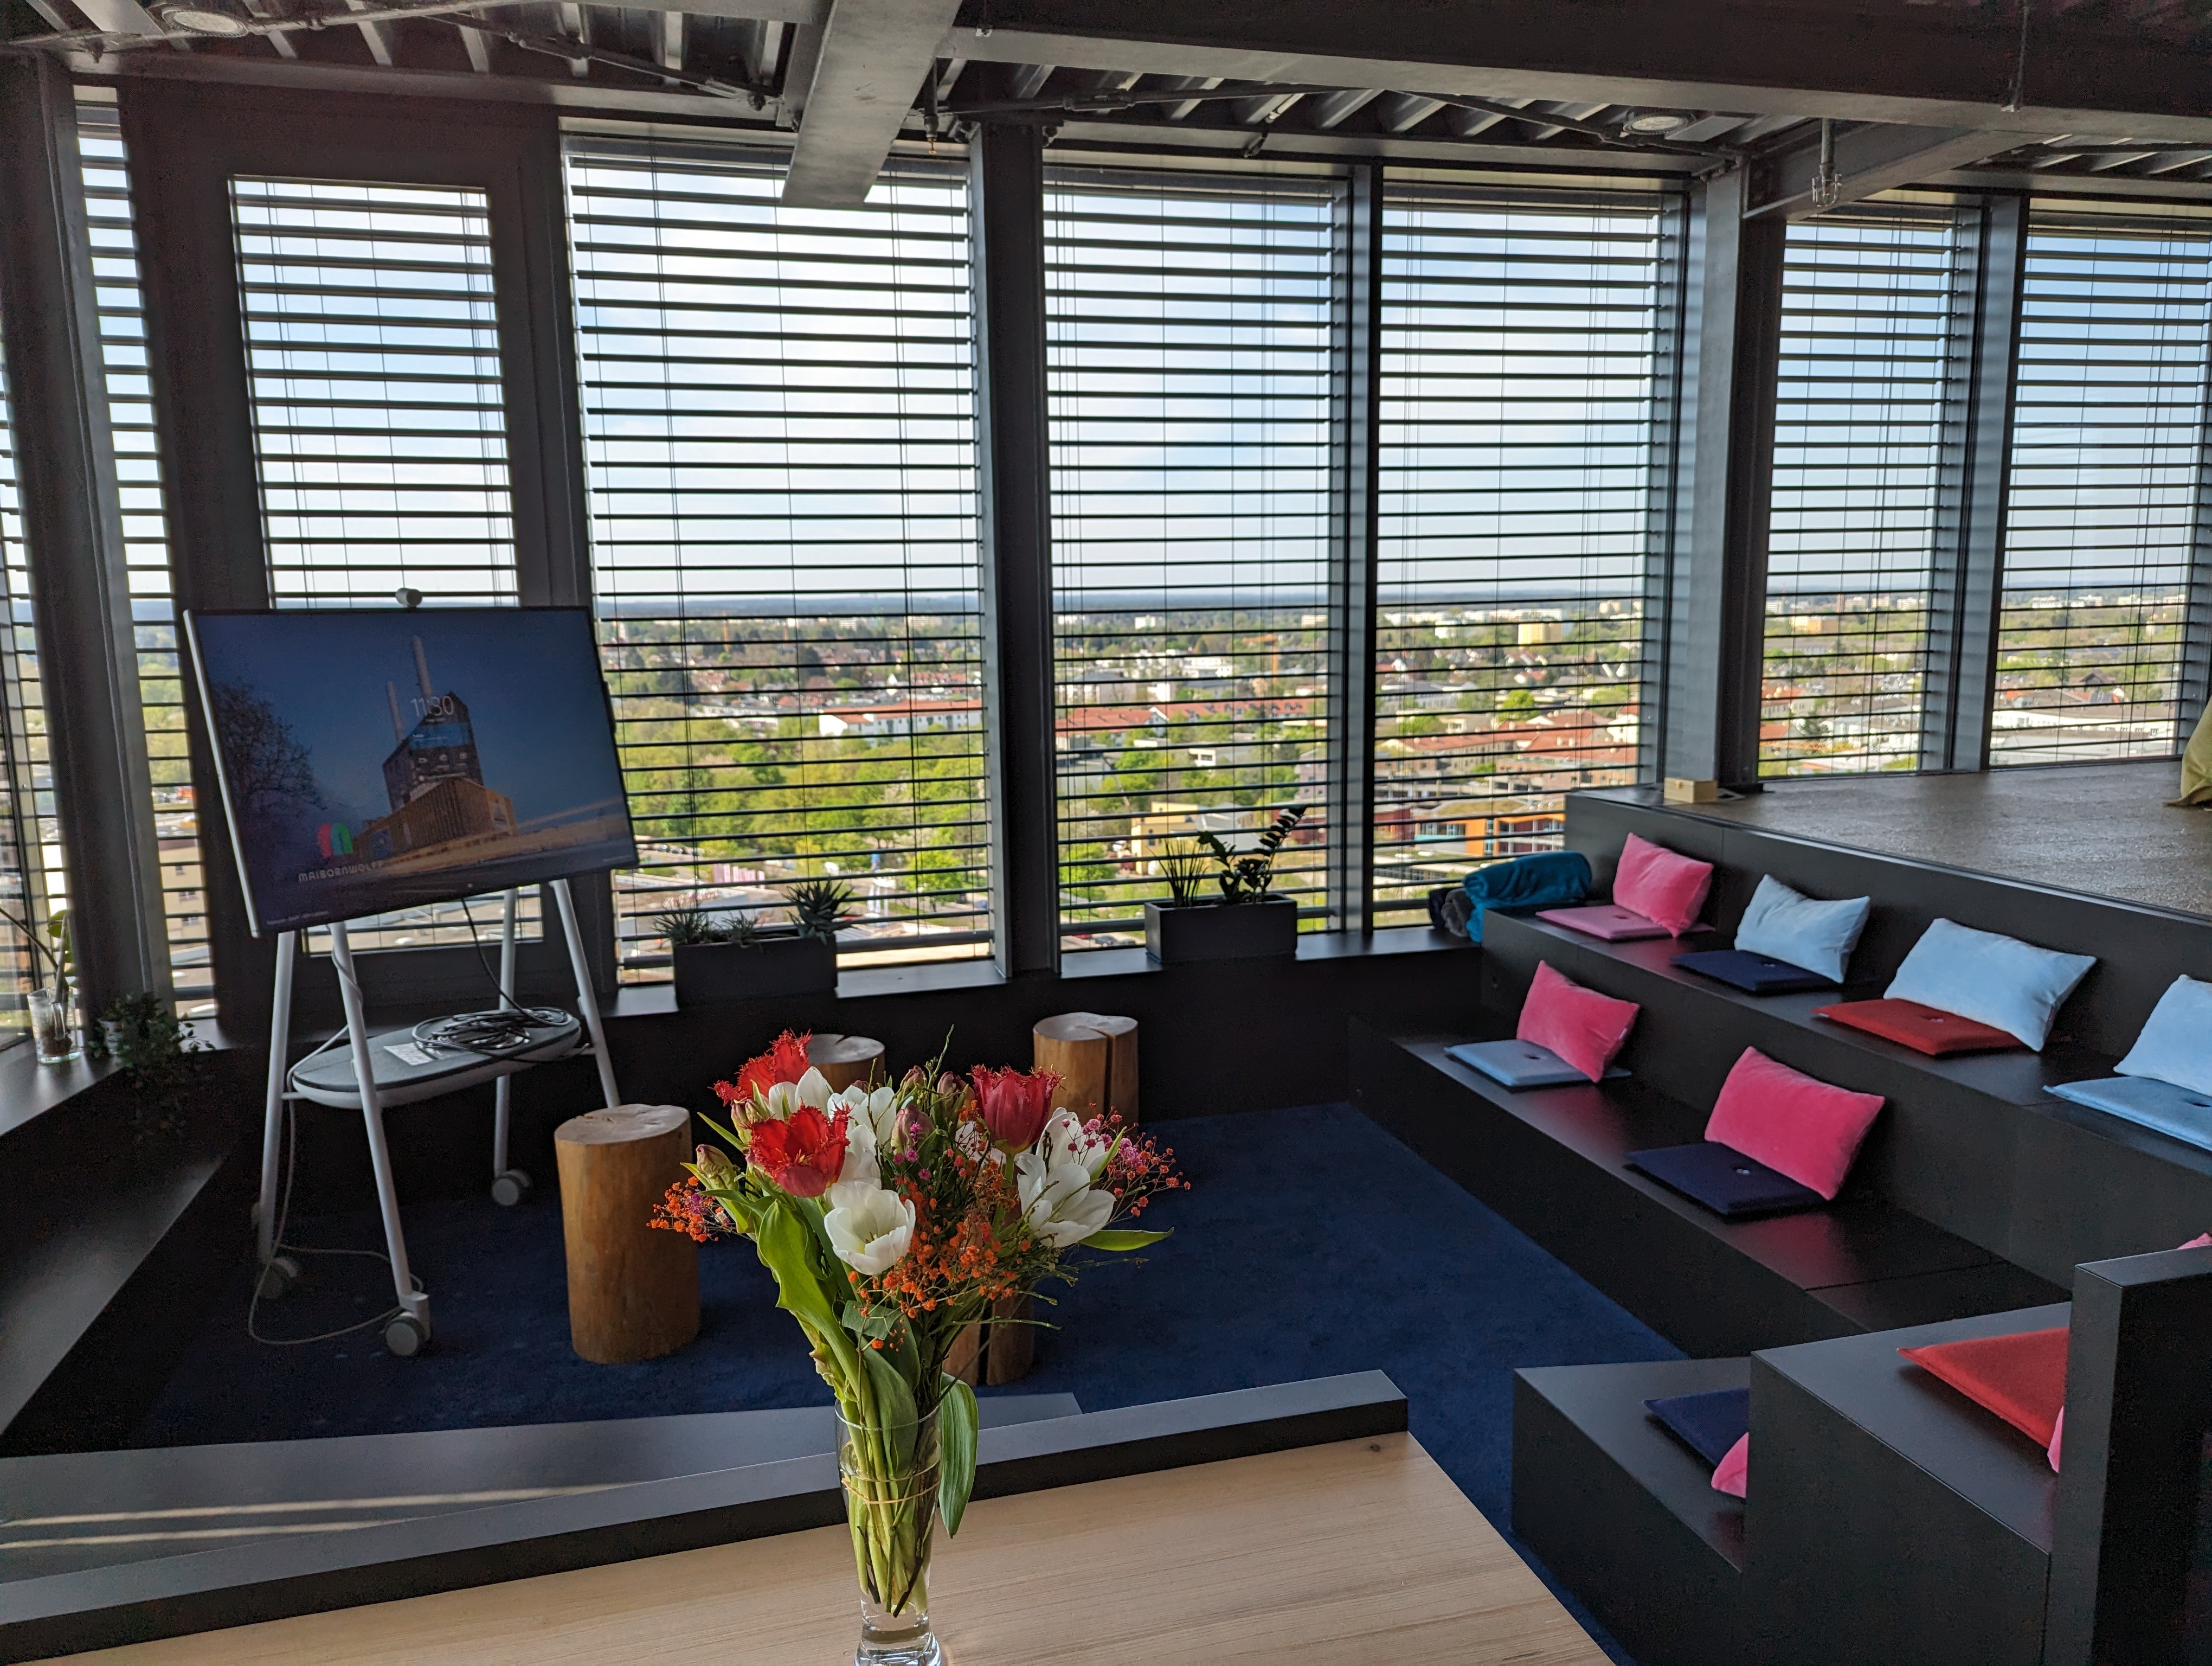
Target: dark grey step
[[1624, 1514]]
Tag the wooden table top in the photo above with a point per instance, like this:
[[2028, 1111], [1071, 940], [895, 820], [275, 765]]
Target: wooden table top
[[1356, 1551]]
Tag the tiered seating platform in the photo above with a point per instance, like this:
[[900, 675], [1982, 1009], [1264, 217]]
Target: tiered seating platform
[[1888, 1520]]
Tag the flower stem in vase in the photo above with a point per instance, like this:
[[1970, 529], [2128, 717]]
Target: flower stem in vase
[[890, 1473]]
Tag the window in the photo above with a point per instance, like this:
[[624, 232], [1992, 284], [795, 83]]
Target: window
[[1866, 305], [26, 788], [372, 349], [1520, 370], [146, 550], [779, 427], [1188, 353], [2105, 488], [373, 353]]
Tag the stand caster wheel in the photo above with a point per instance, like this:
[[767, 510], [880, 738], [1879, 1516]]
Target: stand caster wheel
[[406, 1336], [509, 1187], [280, 1277]]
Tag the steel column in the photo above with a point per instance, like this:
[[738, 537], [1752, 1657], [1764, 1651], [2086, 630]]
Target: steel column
[[73, 527], [1013, 450], [1355, 443], [1970, 529], [1715, 639]]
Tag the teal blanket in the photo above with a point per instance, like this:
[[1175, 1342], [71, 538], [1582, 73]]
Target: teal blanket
[[1554, 879]]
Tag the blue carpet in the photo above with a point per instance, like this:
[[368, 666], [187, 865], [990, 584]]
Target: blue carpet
[[1310, 1243]]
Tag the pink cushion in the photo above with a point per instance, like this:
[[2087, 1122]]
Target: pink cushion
[[2202, 1240], [1733, 1474], [1660, 885], [1582, 1026], [1794, 1124]]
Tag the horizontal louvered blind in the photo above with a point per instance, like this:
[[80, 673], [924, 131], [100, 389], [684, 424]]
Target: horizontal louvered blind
[[1519, 374], [1187, 344], [2107, 473], [1866, 316], [779, 426], [22, 740], [373, 354], [146, 549], [372, 346]]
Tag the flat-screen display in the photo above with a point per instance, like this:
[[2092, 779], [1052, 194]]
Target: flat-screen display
[[380, 758]]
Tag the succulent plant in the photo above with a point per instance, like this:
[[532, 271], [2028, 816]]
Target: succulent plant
[[817, 907], [1246, 878], [686, 927]]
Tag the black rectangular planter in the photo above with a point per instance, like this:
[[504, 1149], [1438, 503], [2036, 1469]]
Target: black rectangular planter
[[1175, 935], [716, 974]]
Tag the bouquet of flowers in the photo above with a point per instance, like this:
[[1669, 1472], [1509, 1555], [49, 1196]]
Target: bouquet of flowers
[[892, 1218]]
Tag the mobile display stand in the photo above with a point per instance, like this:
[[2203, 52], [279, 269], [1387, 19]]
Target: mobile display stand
[[402, 1067]]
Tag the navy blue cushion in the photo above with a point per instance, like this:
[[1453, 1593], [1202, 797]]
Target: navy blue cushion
[[1707, 1424], [1521, 1064], [1761, 975], [1724, 1180]]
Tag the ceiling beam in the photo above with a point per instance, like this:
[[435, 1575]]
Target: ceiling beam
[[1869, 160], [1931, 66], [119, 16], [875, 55]]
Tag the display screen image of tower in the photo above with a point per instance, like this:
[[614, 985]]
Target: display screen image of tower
[[382, 759]]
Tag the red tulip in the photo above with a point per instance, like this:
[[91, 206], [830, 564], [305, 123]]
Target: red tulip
[[786, 1061], [803, 1155], [1014, 1102]]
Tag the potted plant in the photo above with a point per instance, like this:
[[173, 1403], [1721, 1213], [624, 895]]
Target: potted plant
[[1246, 921], [49, 1001], [720, 959]]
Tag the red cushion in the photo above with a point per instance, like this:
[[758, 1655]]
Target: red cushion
[[2022, 1378], [1660, 885], [1733, 1474], [1794, 1124], [2202, 1240], [1923, 1028], [1582, 1026]]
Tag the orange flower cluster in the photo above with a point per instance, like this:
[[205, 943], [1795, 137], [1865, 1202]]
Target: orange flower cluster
[[689, 1211], [968, 1263]]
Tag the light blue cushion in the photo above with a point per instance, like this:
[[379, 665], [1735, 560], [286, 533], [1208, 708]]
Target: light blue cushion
[[2180, 1112], [2175, 1043], [1998, 981], [1789, 926]]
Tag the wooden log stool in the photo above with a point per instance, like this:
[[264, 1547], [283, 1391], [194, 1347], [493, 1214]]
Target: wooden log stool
[[845, 1061], [1096, 1056], [633, 1289]]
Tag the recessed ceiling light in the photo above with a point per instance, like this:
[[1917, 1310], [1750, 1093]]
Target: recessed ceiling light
[[201, 20], [1657, 123]]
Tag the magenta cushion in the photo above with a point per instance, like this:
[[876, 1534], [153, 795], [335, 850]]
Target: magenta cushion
[[1582, 1026], [1795, 1125], [1660, 886], [1733, 1475]]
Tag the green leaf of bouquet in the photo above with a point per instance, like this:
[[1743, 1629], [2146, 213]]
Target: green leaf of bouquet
[[894, 1404], [956, 1446], [1121, 1243], [782, 1244]]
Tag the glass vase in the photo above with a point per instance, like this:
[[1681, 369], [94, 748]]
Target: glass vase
[[889, 1471], [52, 1035]]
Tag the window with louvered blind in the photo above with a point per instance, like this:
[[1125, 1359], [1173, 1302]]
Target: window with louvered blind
[[372, 347], [1859, 407], [26, 787], [146, 549], [2103, 499], [779, 444], [1187, 352], [1520, 375]]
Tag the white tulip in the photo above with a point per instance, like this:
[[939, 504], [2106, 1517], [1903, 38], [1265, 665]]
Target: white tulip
[[1066, 1140], [870, 1229], [860, 1168], [812, 1090], [877, 1107], [1059, 1201]]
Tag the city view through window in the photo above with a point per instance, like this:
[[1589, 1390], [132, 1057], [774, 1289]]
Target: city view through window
[[779, 433]]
